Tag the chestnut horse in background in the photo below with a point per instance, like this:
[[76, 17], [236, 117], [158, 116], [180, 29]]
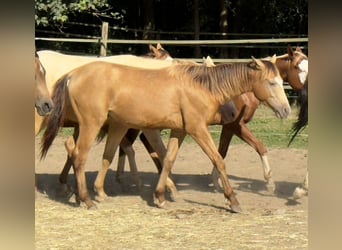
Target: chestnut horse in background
[[43, 102], [183, 98]]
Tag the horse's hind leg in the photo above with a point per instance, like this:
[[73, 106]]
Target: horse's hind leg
[[245, 134], [79, 155], [302, 190], [127, 149], [115, 134], [126, 146]]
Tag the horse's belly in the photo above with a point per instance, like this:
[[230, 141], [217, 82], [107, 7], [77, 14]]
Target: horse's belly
[[152, 119]]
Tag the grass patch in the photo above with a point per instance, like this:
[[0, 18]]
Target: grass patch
[[273, 132]]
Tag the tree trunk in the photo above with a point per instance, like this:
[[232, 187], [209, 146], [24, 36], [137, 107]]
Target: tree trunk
[[224, 27], [197, 28], [149, 22]]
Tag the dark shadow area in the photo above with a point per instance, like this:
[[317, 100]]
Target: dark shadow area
[[49, 184]]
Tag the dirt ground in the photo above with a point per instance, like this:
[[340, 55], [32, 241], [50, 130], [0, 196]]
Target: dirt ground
[[199, 219]]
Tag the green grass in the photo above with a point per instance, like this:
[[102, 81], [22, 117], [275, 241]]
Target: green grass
[[273, 132]]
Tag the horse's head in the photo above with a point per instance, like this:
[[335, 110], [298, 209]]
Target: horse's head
[[269, 86], [43, 102], [294, 67], [159, 52]]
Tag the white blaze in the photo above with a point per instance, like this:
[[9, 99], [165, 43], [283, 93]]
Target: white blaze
[[304, 70]]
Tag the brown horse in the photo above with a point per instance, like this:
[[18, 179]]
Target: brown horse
[[237, 113], [43, 102], [293, 69], [184, 98]]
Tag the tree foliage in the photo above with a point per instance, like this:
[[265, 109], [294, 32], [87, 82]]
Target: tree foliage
[[174, 20], [57, 12]]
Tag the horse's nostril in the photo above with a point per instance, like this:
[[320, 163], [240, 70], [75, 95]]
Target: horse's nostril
[[48, 107]]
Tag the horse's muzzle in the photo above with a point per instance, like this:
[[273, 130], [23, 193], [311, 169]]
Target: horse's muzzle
[[44, 108], [283, 113]]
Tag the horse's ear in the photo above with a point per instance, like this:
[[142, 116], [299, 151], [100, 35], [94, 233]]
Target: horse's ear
[[273, 58], [298, 49], [210, 61], [257, 63], [289, 50], [159, 46], [153, 49]]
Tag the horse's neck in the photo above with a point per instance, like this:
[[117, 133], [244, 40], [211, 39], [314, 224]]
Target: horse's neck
[[240, 84], [283, 66]]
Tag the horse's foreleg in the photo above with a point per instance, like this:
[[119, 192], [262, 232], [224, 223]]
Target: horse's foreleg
[[114, 137], [204, 139], [157, 150], [176, 138], [225, 138]]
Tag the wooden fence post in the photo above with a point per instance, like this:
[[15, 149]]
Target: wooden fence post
[[104, 38]]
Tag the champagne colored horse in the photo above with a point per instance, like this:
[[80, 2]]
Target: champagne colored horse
[[237, 113], [184, 98], [43, 102]]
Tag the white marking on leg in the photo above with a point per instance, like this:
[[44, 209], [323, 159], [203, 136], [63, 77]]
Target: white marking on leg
[[266, 167]]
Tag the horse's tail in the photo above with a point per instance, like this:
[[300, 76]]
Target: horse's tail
[[103, 132], [56, 118], [302, 120]]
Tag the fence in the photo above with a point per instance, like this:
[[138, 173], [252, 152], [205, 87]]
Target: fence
[[103, 42]]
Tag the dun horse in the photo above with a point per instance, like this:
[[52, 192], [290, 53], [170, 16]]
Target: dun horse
[[237, 113], [184, 98], [43, 102]]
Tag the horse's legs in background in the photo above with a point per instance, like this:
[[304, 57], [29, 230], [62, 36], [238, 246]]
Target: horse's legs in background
[[127, 149], [157, 161], [116, 132], [157, 150], [227, 133], [243, 132], [302, 190], [176, 138], [63, 177]]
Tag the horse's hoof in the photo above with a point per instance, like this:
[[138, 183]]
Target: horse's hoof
[[235, 209], [64, 190], [101, 197], [173, 195], [158, 203], [270, 188], [92, 207], [299, 193]]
